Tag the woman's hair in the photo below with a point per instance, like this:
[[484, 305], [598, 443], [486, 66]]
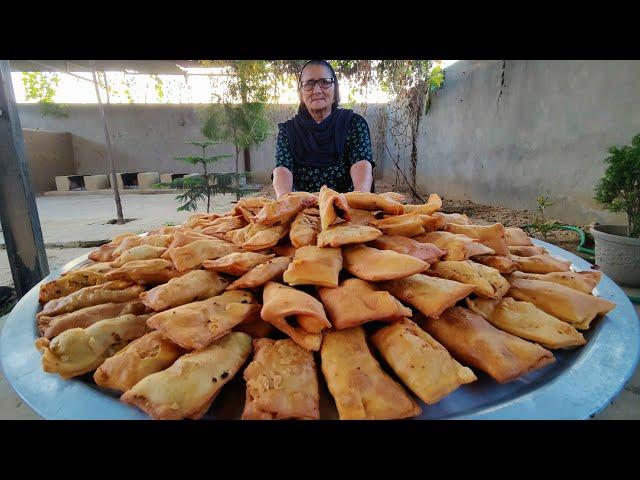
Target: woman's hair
[[336, 91]]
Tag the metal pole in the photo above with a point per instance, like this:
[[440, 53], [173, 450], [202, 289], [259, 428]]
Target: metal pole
[[114, 179], [18, 210]]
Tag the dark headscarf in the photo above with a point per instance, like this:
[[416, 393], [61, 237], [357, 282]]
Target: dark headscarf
[[318, 144]]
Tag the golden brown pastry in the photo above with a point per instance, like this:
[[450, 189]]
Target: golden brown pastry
[[314, 266], [118, 291], [427, 252], [193, 254], [153, 240], [376, 265], [188, 387], [361, 217], [425, 366], [224, 225], [347, 233], [80, 350], [492, 236], [263, 273], [565, 303], [584, 282], [148, 354], [198, 219], [295, 313], [430, 295], [501, 263], [285, 250], [356, 302], [195, 325], [459, 218], [526, 251], [332, 206], [305, 228], [525, 320], [96, 267], [182, 238], [433, 205], [284, 209], [394, 196], [458, 247], [361, 389], [237, 264], [257, 328], [475, 342], [517, 237], [255, 237], [104, 253], [67, 284], [282, 382], [50, 327], [540, 264], [407, 225], [373, 202], [192, 286], [142, 252], [487, 281], [145, 271], [430, 223]]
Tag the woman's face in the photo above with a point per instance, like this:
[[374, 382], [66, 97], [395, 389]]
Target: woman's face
[[317, 98]]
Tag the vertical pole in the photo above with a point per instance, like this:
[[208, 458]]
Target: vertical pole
[[18, 210], [114, 179]]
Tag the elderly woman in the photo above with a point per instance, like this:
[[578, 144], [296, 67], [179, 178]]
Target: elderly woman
[[322, 144]]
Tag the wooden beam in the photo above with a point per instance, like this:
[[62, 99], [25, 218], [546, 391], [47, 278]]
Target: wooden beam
[[18, 210]]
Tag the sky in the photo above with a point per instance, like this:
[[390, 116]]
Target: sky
[[136, 88]]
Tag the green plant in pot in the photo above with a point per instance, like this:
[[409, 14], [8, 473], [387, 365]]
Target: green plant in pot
[[618, 246]]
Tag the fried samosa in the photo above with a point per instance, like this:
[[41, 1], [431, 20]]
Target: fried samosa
[[283, 210], [192, 286], [305, 229], [425, 366], [68, 284], [540, 264], [255, 237], [457, 247], [188, 387], [526, 250], [195, 325], [314, 266], [475, 342], [525, 320], [430, 295], [193, 254], [347, 233], [373, 202], [360, 388], [407, 225], [427, 252], [433, 205], [487, 281], [577, 308], [282, 382], [356, 302], [80, 350], [492, 236], [141, 252], [517, 237], [237, 264], [145, 271], [263, 273], [500, 262], [148, 354], [584, 282], [332, 206], [376, 265]]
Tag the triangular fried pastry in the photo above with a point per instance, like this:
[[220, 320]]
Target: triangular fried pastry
[[333, 206], [261, 274], [492, 236], [458, 247], [373, 202], [314, 266], [305, 228], [475, 342], [525, 320], [347, 233], [359, 386], [425, 366], [433, 205], [238, 263], [284, 209], [517, 237], [377, 265], [407, 225], [356, 302], [427, 252], [282, 306], [430, 295], [544, 263], [487, 281], [584, 282]]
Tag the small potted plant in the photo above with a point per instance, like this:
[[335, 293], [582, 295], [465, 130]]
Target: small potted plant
[[618, 246]]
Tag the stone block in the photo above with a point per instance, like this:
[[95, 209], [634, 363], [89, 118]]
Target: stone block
[[96, 182], [148, 179]]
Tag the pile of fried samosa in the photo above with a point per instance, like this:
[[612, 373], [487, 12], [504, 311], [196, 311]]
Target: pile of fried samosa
[[275, 290]]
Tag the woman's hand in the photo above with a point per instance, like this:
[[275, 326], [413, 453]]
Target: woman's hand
[[361, 175], [282, 181]]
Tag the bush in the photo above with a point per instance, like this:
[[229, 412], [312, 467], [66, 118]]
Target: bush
[[619, 188]]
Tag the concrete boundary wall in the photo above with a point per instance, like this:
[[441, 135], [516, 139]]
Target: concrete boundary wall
[[504, 132]]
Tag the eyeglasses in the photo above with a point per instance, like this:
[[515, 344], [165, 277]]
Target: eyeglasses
[[325, 83]]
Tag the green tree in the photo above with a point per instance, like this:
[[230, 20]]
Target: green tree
[[619, 188], [203, 187], [41, 86]]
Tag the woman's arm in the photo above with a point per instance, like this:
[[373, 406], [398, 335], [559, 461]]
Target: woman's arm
[[282, 181], [361, 175]]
